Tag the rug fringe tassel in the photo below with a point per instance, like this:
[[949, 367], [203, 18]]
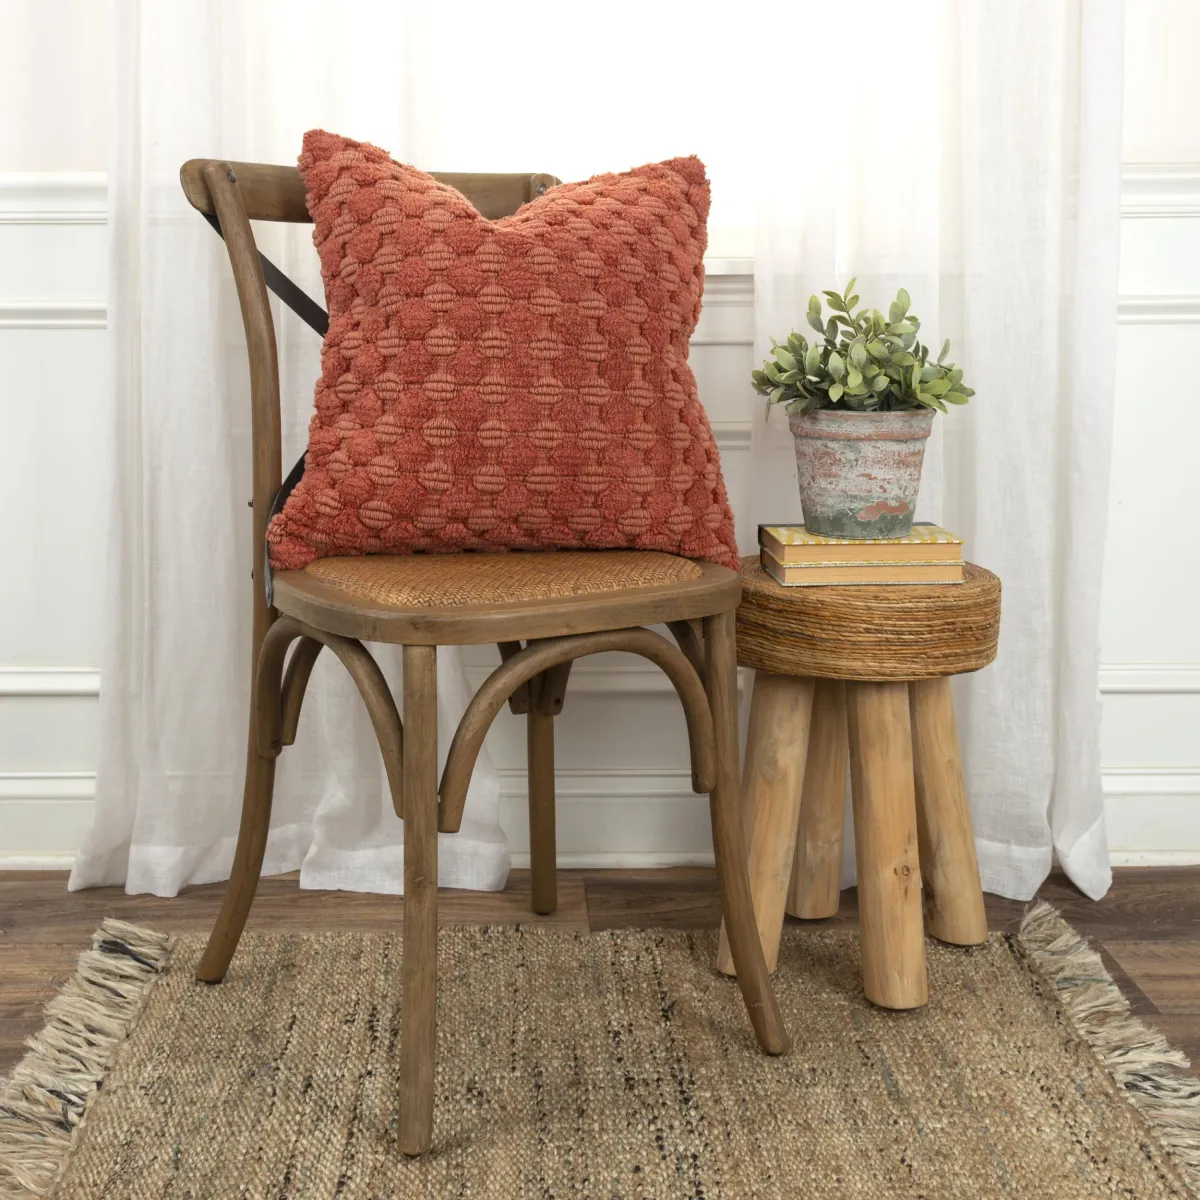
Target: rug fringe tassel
[[44, 1100], [1141, 1060]]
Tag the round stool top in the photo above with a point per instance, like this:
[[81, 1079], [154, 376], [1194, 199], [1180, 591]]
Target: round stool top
[[882, 633]]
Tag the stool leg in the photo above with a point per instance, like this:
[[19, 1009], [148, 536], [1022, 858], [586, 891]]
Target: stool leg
[[885, 834], [949, 869], [817, 866], [772, 775]]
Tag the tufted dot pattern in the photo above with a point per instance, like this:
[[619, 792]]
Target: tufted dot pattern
[[511, 384]]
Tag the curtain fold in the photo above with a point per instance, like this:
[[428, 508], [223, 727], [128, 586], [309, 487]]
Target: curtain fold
[[241, 81], [979, 166]]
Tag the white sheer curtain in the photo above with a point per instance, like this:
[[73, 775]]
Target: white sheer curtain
[[461, 87], [974, 157], [240, 81], [967, 151]]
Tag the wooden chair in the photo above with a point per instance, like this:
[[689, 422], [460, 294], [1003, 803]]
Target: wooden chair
[[561, 605]]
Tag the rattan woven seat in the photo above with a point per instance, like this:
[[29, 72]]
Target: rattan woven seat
[[860, 676], [490, 597]]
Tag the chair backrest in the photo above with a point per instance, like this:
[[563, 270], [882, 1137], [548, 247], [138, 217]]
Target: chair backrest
[[237, 193]]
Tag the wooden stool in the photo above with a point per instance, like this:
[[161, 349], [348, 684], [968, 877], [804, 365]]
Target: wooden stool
[[862, 673]]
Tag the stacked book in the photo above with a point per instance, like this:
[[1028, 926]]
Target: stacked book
[[796, 558]]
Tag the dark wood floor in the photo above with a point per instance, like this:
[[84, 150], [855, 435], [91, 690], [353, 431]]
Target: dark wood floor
[[1148, 927]]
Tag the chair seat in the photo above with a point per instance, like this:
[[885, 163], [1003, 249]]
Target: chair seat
[[437, 599]]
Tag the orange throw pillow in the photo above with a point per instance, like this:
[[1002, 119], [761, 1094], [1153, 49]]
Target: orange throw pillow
[[511, 384]]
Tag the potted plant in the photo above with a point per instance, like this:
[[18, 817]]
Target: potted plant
[[861, 399]]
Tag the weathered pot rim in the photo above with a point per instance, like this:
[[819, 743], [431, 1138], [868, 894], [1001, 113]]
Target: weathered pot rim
[[845, 424]]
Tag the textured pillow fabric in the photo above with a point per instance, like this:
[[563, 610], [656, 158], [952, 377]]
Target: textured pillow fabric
[[511, 384]]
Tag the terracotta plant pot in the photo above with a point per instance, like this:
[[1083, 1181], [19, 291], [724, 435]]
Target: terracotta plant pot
[[859, 472]]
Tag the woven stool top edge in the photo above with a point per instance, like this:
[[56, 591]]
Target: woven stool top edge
[[862, 633]]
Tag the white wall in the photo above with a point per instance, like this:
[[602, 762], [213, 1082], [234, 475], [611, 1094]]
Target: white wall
[[52, 362], [1150, 638]]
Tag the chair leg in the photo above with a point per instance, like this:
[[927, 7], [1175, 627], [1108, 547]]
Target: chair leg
[[257, 792], [543, 865], [776, 745], [817, 866], [418, 1027], [885, 835], [729, 843], [953, 896]]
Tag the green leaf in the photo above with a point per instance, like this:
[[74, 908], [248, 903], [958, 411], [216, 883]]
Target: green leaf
[[854, 379], [902, 301], [955, 398], [902, 327], [835, 391], [858, 353], [814, 305], [837, 368], [850, 285], [945, 350], [937, 387], [786, 358], [876, 349], [812, 360], [814, 319], [835, 301], [880, 382], [777, 395], [915, 377], [831, 330]]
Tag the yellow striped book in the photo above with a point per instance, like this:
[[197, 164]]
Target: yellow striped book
[[867, 574], [793, 544]]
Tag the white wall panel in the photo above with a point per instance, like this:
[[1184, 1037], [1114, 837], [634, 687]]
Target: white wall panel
[[1162, 85]]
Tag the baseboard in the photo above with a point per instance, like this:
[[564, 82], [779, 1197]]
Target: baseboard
[[36, 862], [622, 861], [627, 861], [628, 817], [1154, 858]]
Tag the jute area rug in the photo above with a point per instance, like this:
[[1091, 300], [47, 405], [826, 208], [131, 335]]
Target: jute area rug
[[604, 1065]]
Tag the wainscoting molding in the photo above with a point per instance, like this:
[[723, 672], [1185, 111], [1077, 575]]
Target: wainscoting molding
[[1150, 679], [53, 314], [53, 198], [1160, 190], [1158, 310], [49, 681]]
